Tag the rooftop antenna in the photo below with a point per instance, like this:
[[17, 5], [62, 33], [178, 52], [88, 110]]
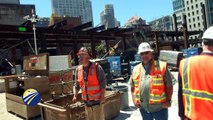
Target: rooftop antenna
[[34, 19]]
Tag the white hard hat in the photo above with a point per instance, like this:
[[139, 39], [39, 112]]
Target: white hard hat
[[208, 34], [144, 47]]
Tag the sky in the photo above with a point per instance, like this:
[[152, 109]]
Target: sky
[[124, 9]]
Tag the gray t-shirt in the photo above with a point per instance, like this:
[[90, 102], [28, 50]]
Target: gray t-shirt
[[145, 87], [100, 76]]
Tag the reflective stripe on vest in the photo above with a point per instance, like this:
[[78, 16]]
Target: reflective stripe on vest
[[91, 88], [156, 85], [157, 98], [202, 95], [157, 66], [92, 97], [190, 94], [185, 84], [157, 88]]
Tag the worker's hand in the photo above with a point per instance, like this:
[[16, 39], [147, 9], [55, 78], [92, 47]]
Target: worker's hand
[[74, 99], [102, 100], [166, 105], [137, 105]]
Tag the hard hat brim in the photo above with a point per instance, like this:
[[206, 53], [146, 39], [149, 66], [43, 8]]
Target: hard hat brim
[[148, 50]]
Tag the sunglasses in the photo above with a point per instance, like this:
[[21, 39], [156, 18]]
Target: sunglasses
[[145, 53]]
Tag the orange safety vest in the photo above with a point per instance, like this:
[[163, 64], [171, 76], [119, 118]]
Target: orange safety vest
[[157, 86], [197, 81], [91, 89]]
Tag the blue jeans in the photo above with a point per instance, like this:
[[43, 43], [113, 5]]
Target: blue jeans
[[159, 115]]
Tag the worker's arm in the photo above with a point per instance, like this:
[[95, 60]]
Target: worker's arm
[[102, 81], [77, 87], [180, 98], [132, 92], [102, 100], [169, 81]]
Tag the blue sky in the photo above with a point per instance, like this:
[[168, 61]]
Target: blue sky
[[124, 9]]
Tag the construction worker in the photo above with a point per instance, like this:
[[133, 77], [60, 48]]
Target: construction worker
[[91, 80], [195, 95], [151, 85]]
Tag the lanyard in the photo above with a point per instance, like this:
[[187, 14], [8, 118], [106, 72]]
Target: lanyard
[[86, 74]]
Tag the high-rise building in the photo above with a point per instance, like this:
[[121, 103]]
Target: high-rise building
[[108, 17], [73, 8], [193, 11], [195, 19], [209, 13], [179, 10], [13, 14], [117, 23], [10, 1]]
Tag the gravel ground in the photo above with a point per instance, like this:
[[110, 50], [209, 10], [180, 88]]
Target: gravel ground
[[129, 114]]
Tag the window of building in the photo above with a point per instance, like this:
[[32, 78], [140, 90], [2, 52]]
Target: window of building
[[198, 18], [197, 11], [196, 5], [188, 14], [193, 13], [187, 2], [189, 20], [198, 24], [188, 8], [195, 25], [191, 1], [193, 19], [190, 27], [192, 7]]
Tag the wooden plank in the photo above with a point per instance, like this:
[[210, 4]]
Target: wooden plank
[[40, 84], [14, 98], [11, 76], [16, 107]]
